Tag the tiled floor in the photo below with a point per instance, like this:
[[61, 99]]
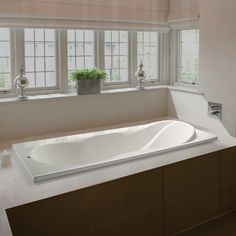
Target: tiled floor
[[223, 226]]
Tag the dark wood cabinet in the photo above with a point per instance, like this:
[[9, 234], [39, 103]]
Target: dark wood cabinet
[[162, 201]]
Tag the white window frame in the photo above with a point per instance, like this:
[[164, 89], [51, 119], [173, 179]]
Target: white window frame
[[157, 79], [101, 59], [12, 61], [162, 62], [57, 66], [176, 29], [63, 58], [61, 69]]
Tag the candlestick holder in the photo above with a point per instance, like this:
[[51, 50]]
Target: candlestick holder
[[5, 157], [140, 76], [21, 82]]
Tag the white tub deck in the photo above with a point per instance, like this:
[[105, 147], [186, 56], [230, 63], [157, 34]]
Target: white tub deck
[[16, 189]]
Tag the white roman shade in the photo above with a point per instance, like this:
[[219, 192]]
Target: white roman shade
[[183, 10], [132, 14]]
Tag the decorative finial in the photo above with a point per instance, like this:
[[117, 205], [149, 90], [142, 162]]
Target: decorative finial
[[140, 75], [21, 82]]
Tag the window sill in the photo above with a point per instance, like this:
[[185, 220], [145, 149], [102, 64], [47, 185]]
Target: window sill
[[72, 94], [186, 89]]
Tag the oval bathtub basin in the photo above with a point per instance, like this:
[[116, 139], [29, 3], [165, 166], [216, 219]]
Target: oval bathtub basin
[[92, 150], [104, 147]]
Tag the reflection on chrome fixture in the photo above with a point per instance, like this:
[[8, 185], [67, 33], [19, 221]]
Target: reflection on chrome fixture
[[21, 82], [215, 110], [140, 75]]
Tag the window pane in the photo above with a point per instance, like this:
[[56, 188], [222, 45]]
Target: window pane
[[40, 79], [123, 48], [31, 78], [7, 65], [115, 48], [39, 64], [71, 49], [29, 64], [71, 63], [80, 62], [116, 56], [39, 35], [148, 53], [89, 62], [29, 49], [89, 48], [50, 79], [49, 36], [40, 57], [50, 49], [29, 35], [80, 50], [50, 65], [189, 56], [4, 49], [39, 49], [5, 59], [115, 36]]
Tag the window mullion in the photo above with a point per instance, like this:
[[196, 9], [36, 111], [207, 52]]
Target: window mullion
[[163, 59], [62, 68], [178, 47], [13, 58], [113, 40], [99, 53], [44, 57], [133, 58], [174, 57], [19, 50], [96, 48], [129, 58]]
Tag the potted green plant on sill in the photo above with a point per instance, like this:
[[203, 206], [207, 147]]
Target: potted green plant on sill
[[88, 80]]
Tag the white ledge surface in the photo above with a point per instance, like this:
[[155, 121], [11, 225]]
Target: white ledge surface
[[187, 89], [16, 189]]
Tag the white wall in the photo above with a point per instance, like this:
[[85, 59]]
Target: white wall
[[218, 56], [37, 117], [132, 10], [183, 10], [193, 108]]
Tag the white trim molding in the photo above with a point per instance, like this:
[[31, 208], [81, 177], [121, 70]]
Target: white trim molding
[[192, 24], [82, 24]]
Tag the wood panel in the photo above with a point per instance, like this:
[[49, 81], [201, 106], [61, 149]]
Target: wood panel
[[191, 192], [228, 179], [65, 214], [132, 204]]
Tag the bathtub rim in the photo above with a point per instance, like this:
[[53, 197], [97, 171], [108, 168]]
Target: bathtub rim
[[50, 173]]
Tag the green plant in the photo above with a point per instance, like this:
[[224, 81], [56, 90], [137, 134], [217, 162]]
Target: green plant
[[82, 74]]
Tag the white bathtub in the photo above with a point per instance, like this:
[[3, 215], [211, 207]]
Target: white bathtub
[[50, 158]]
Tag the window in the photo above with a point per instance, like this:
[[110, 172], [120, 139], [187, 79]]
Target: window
[[80, 49], [188, 56], [116, 56], [5, 59], [40, 57], [49, 56], [148, 53]]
